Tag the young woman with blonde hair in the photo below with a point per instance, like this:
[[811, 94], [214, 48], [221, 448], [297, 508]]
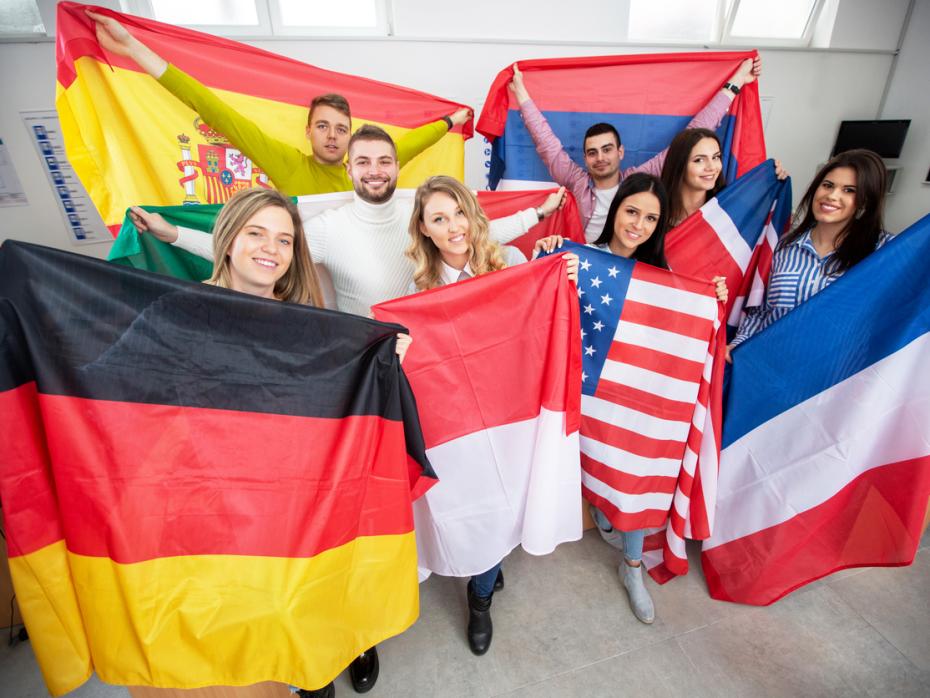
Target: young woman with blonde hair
[[449, 242]]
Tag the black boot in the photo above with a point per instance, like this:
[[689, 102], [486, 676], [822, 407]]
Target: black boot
[[479, 622], [328, 691], [364, 670], [499, 582]]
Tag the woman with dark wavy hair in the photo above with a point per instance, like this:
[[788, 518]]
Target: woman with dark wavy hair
[[840, 224]]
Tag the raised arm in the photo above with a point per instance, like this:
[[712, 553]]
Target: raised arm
[[509, 228], [711, 115], [419, 139], [562, 168], [278, 160]]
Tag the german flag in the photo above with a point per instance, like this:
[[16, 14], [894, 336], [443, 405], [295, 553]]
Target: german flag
[[198, 486], [130, 141]]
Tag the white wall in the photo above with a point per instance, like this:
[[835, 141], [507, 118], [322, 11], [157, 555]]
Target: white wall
[[812, 90], [909, 98]]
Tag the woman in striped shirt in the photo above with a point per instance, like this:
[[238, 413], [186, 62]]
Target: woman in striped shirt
[[841, 226]]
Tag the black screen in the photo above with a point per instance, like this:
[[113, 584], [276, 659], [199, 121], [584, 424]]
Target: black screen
[[884, 137]]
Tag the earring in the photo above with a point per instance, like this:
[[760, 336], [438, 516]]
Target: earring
[[860, 213]]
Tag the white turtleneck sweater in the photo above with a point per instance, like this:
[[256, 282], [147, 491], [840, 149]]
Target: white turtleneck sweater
[[362, 247]]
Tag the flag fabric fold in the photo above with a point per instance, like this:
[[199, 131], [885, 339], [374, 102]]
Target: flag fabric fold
[[130, 141], [733, 235], [826, 444], [648, 98], [199, 487], [645, 337], [145, 252], [495, 368]]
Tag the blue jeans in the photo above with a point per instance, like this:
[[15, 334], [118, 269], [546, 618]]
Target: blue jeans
[[632, 540], [483, 583]]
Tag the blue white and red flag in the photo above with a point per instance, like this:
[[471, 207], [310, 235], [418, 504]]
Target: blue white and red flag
[[648, 98], [645, 339], [826, 458]]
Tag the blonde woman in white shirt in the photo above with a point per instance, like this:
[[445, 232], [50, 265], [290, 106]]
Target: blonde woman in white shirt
[[449, 242]]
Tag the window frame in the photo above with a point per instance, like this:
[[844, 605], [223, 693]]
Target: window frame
[[728, 38]]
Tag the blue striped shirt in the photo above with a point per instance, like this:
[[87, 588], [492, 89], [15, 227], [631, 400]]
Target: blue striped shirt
[[798, 272]]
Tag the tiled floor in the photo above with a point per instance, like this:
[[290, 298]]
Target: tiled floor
[[563, 628]]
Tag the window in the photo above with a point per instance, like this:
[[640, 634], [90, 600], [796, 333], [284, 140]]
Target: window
[[345, 14], [788, 22], [674, 21], [205, 12], [268, 17]]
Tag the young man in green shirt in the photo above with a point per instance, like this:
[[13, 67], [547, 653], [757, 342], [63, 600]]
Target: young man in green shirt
[[329, 123]]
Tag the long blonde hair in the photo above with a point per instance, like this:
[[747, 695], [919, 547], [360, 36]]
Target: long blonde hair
[[485, 254], [299, 284]]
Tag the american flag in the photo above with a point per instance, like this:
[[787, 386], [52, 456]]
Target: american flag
[[645, 338], [733, 235]]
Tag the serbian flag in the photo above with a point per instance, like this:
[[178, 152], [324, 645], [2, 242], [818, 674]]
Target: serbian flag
[[495, 366], [648, 98], [131, 141], [645, 336], [198, 487], [733, 235], [145, 252], [826, 443]]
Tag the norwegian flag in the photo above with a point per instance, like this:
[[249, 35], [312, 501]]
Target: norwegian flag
[[733, 235], [645, 338]]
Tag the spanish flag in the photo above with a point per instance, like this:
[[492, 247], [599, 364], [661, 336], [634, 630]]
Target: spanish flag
[[198, 486], [131, 140]]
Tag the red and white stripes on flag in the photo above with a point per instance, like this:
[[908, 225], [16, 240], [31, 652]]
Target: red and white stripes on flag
[[733, 235], [645, 336]]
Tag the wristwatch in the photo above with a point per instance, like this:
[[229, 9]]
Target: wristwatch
[[539, 213], [731, 87]]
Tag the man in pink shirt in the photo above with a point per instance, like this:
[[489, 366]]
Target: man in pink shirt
[[595, 184]]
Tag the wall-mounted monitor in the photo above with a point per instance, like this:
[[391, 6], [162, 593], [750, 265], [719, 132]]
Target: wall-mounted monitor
[[885, 137]]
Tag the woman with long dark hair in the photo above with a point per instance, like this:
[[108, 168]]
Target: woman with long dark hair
[[635, 228], [840, 224], [693, 172]]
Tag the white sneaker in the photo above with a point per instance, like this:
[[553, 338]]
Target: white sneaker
[[612, 537], [640, 600]]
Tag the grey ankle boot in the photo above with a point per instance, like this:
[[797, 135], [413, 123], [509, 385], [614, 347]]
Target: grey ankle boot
[[640, 600]]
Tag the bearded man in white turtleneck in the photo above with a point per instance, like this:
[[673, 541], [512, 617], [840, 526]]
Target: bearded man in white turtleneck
[[361, 244]]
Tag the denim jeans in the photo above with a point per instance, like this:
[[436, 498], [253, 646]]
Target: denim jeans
[[632, 540], [483, 583]]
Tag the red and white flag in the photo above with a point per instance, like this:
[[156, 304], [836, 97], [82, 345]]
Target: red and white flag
[[495, 367]]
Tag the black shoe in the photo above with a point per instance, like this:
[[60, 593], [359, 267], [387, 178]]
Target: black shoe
[[328, 691], [364, 670], [499, 582], [479, 622]]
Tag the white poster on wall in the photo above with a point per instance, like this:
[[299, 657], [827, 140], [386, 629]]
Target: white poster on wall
[[81, 218], [11, 191]]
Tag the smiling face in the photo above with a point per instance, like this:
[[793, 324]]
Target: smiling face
[[835, 198], [704, 165], [602, 156], [636, 220], [328, 132], [261, 252], [446, 224], [372, 166]]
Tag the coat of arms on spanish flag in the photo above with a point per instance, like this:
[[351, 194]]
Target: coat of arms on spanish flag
[[131, 141]]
